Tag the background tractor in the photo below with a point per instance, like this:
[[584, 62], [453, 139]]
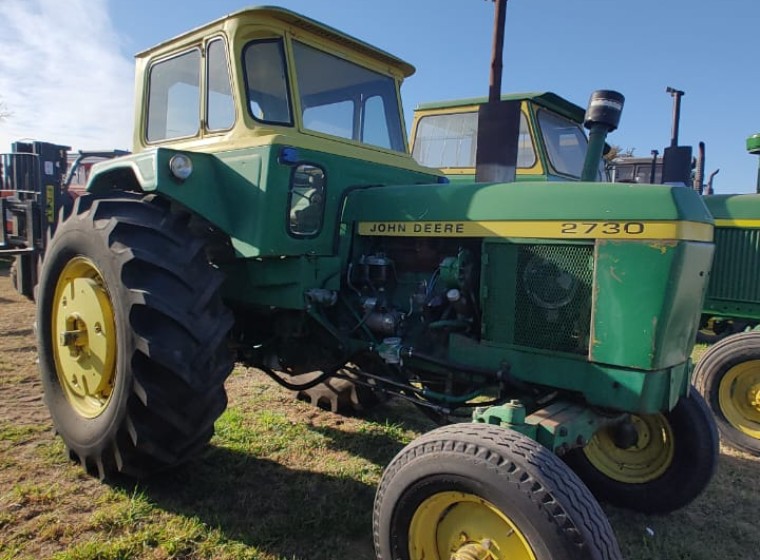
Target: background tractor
[[270, 213], [728, 374]]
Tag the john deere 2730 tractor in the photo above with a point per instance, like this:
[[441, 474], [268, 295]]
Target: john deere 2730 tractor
[[270, 213], [552, 147]]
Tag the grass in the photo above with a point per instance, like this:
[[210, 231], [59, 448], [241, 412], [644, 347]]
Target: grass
[[280, 481]]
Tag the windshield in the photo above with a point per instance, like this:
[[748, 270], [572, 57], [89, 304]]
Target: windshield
[[344, 99], [565, 143], [450, 141]]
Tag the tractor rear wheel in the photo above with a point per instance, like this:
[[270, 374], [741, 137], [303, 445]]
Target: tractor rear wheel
[[669, 462], [479, 491], [132, 336], [728, 376]]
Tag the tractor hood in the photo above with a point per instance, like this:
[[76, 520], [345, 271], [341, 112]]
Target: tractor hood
[[521, 209], [734, 210]]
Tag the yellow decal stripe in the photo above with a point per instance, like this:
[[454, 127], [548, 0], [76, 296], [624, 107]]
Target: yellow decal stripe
[[737, 223], [575, 229]]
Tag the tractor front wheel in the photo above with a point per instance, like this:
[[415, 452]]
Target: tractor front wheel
[[728, 376], [664, 462], [131, 336], [478, 491]]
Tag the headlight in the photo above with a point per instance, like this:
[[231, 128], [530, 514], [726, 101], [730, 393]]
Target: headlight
[[181, 166]]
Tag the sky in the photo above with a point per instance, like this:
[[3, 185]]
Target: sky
[[66, 66]]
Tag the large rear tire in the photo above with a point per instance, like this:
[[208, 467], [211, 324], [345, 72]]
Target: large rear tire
[[479, 491], [728, 376], [131, 336], [669, 464]]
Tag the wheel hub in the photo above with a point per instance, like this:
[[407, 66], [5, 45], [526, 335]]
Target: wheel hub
[[473, 550], [643, 455], [753, 397], [739, 397], [84, 329], [462, 526]]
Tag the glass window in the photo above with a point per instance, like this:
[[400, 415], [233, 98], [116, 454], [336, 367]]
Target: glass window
[[333, 118], [374, 130], [267, 82], [307, 200], [220, 106], [644, 173], [447, 141], [565, 143], [624, 173], [344, 99], [633, 172], [174, 97]]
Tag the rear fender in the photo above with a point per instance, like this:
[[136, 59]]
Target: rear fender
[[201, 192]]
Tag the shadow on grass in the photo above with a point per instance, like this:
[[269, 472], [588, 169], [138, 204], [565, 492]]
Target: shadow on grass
[[283, 511]]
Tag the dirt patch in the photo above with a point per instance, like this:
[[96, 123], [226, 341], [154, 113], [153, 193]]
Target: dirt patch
[[30, 490], [20, 389]]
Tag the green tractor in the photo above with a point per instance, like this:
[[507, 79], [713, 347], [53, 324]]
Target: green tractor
[[728, 374], [270, 213], [552, 147]]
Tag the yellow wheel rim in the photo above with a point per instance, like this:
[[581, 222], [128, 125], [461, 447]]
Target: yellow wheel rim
[[739, 397], [644, 461], [453, 525], [84, 337]]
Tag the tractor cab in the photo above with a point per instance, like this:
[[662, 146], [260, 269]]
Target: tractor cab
[[286, 112], [552, 143]]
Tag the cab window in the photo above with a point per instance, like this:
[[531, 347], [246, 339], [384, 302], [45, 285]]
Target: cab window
[[343, 99], [565, 142], [451, 141], [266, 82], [174, 97], [220, 106]]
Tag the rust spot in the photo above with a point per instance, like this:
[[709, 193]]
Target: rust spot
[[663, 246]]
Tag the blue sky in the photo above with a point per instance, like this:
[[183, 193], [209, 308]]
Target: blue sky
[[66, 66]]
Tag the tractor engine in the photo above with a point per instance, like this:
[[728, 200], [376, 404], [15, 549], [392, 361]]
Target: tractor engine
[[413, 290]]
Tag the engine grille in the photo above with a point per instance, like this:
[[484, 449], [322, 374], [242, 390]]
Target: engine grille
[[553, 307], [550, 300]]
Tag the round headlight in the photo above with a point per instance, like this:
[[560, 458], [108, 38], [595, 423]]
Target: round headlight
[[181, 166]]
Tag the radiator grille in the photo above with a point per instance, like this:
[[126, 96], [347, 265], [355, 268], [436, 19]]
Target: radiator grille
[[553, 297], [737, 259]]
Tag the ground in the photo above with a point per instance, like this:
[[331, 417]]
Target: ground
[[280, 480]]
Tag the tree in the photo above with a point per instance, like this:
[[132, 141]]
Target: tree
[[617, 151]]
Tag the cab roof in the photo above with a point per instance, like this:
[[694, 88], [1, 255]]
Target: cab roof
[[544, 98], [289, 19]]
